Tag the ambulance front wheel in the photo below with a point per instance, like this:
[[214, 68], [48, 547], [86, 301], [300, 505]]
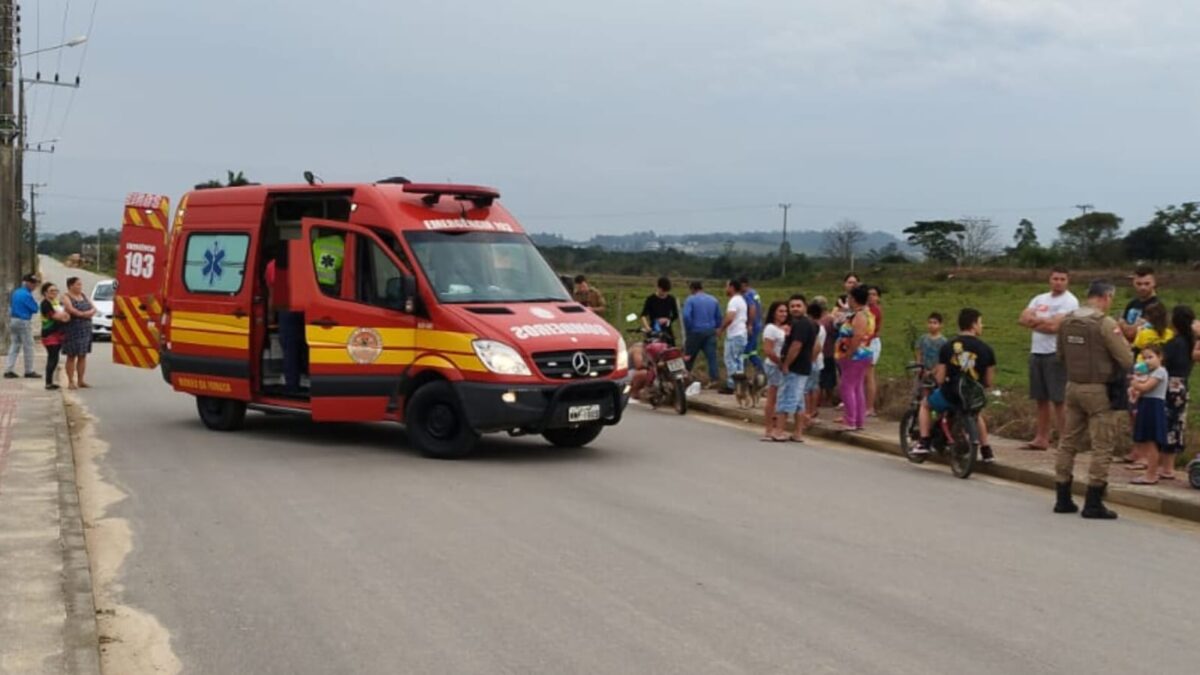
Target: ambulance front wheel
[[573, 437], [436, 424], [221, 414]]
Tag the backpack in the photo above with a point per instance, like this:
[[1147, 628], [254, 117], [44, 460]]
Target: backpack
[[971, 394]]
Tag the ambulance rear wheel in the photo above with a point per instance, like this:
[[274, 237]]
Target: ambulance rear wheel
[[573, 437], [221, 414], [436, 425]]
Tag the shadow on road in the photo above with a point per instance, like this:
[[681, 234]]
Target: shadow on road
[[298, 437]]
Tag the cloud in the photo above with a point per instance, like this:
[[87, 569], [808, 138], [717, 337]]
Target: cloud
[[905, 44]]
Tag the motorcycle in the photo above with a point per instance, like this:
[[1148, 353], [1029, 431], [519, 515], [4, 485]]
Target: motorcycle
[[666, 372], [955, 433]]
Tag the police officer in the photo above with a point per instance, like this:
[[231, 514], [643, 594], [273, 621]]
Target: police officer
[[329, 250], [1095, 354]]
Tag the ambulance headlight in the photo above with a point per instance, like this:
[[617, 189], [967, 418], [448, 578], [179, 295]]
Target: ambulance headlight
[[622, 354], [500, 358]]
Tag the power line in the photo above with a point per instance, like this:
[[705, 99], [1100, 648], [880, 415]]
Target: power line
[[82, 60], [57, 69]]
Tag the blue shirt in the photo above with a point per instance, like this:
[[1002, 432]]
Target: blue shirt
[[753, 299], [701, 312], [23, 305]]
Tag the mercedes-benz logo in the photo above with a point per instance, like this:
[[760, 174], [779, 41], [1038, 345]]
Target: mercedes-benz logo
[[581, 363]]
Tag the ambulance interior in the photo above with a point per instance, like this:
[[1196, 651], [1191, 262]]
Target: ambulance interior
[[282, 225]]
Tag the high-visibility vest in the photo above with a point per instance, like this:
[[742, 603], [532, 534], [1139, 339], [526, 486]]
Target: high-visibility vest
[[328, 253]]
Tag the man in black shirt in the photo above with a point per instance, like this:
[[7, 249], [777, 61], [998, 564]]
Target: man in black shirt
[[1145, 289], [963, 356], [800, 349], [661, 310]]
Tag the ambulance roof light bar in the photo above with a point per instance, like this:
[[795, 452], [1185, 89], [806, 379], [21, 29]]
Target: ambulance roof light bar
[[476, 194]]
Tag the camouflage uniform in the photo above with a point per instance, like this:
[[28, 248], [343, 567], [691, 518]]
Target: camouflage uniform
[[1092, 349]]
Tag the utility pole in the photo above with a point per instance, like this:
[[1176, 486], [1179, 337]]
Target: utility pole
[[33, 214], [1084, 208], [784, 248], [10, 228]]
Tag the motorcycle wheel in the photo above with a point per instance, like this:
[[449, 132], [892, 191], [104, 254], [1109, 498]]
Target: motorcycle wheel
[[964, 447], [910, 432], [660, 394], [680, 397]]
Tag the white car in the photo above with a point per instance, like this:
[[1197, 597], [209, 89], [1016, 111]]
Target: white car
[[102, 300]]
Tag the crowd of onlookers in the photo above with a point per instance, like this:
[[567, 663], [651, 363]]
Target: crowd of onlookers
[[64, 322], [801, 350], [811, 352]]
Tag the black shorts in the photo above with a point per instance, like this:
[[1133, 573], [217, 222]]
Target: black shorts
[[829, 374]]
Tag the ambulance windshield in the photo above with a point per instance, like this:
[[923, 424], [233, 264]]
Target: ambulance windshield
[[465, 267]]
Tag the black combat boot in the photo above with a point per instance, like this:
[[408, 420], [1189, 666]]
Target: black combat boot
[[1093, 505], [1064, 504]]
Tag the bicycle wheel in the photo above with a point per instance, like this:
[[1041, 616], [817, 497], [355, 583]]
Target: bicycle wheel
[[910, 434], [965, 446]]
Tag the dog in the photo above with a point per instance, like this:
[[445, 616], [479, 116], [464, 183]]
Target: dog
[[748, 388]]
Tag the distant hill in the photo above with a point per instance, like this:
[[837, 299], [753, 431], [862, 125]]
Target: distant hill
[[810, 242]]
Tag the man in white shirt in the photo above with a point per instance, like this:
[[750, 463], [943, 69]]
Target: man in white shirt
[[1047, 377], [736, 330]]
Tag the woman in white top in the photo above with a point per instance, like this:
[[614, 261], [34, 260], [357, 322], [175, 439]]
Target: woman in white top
[[774, 333]]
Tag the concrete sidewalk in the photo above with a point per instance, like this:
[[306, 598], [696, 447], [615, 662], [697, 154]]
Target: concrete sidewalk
[[47, 614], [1173, 498]]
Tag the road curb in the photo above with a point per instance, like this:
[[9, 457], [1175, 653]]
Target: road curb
[[81, 645], [1167, 506]]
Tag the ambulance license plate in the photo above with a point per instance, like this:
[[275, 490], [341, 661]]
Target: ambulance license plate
[[676, 366], [583, 413]]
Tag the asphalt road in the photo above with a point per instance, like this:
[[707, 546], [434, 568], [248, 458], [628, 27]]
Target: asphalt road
[[673, 545], [52, 270]]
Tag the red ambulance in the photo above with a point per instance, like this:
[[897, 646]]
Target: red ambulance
[[424, 304]]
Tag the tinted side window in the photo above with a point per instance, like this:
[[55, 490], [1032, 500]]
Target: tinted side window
[[215, 263], [380, 282]]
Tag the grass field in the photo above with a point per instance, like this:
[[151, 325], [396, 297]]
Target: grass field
[[911, 293]]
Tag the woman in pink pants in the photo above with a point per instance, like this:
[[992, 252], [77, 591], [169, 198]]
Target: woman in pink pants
[[853, 355]]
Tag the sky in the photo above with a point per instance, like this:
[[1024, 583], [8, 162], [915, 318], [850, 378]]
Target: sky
[[617, 116]]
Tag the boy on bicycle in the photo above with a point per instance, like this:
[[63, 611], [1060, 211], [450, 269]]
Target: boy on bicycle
[[929, 347], [964, 356]]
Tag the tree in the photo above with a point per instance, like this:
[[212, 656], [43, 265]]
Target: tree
[[1153, 243], [1026, 251], [978, 240], [1086, 237], [1025, 237], [1183, 222], [941, 240], [842, 241], [231, 180], [890, 254]]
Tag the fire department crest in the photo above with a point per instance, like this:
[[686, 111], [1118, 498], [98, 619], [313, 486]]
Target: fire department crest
[[365, 345]]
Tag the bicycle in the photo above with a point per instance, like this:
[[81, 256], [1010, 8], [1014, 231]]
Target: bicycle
[[955, 433]]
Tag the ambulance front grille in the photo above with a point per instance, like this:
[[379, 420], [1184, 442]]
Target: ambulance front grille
[[562, 365]]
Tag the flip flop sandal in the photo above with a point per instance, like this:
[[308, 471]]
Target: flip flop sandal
[[1162, 477], [1136, 466], [796, 440], [1031, 446], [1142, 480]]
